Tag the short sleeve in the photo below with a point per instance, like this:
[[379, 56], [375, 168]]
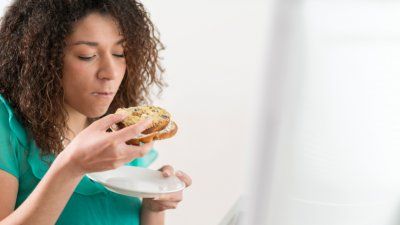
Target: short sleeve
[[8, 155], [146, 160]]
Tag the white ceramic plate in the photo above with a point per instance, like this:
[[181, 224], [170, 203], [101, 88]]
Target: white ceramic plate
[[137, 182]]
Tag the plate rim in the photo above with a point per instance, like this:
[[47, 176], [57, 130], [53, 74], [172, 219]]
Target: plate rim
[[127, 190]]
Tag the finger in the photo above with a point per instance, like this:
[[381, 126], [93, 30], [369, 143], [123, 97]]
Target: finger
[[167, 170], [129, 152], [167, 205], [107, 121], [174, 197], [184, 177], [130, 132]]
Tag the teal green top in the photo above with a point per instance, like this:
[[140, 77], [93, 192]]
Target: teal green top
[[90, 204]]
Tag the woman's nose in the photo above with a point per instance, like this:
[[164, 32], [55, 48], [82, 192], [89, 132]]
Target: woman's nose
[[108, 68]]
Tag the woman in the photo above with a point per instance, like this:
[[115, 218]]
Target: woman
[[65, 67]]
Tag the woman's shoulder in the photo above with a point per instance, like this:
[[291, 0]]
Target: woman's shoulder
[[9, 123], [12, 137], [6, 114], [5, 108]]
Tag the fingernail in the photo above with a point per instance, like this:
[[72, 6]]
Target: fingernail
[[147, 122], [167, 174], [114, 127], [123, 116]]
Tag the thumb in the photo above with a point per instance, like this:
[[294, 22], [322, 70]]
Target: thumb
[[107, 121]]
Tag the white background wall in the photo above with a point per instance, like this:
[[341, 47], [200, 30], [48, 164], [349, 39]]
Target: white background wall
[[212, 58]]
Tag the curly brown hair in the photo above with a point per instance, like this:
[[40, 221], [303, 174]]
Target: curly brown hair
[[32, 40]]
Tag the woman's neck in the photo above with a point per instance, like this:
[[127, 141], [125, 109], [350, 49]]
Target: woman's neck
[[76, 122]]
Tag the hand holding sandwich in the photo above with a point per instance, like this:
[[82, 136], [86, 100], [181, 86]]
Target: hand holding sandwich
[[94, 149]]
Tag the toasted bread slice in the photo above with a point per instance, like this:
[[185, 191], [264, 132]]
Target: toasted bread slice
[[142, 138], [159, 116], [168, 132], [161, 128]]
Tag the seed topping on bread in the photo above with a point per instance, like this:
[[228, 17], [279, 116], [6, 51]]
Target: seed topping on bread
[[162, 126]]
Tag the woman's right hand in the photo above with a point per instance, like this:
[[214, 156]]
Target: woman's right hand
[[94, 149]]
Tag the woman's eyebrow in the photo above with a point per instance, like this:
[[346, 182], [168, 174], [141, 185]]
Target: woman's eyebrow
[[90, 43]]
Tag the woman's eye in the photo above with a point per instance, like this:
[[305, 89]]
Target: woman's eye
[[86, 58], [119, 55]]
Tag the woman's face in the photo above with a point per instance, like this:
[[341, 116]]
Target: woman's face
[[94, 65]]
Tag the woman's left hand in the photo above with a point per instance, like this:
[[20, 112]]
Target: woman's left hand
[[168, 201]]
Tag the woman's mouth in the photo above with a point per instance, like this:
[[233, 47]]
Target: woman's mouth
[[103, 94]]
